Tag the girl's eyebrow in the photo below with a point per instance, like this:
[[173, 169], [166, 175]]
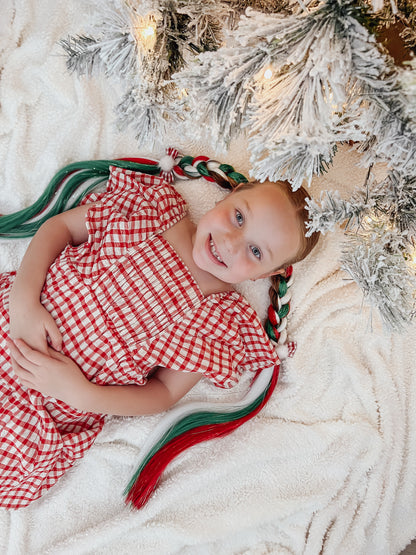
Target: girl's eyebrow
[[247, 207]]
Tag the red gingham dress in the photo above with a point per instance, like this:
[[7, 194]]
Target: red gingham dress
[[125, 303]]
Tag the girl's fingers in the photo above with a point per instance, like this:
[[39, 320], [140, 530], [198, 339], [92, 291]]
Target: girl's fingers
[[25, 376], [24, 368], [14, 351], [55, 336], [25, 355], [56, 355]]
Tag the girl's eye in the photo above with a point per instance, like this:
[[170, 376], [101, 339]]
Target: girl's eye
[[239, 217], [256, 252]]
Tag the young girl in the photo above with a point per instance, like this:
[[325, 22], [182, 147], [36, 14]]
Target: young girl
[[121, 305]]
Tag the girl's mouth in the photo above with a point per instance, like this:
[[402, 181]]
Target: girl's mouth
[[213, 251]]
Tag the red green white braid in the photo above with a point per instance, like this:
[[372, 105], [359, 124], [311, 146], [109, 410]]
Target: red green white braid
[[276, 324], [187, 425]]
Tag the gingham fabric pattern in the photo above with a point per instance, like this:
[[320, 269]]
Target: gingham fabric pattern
[[125, 303]]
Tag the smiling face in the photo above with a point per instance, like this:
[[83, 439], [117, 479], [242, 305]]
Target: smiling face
[[248, 235]]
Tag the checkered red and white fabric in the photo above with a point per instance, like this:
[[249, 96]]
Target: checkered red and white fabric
[[125, 303]]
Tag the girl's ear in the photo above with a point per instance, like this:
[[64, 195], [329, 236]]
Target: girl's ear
[[282, 272]]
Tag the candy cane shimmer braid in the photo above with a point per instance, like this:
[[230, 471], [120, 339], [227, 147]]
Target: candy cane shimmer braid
[[189, 424]]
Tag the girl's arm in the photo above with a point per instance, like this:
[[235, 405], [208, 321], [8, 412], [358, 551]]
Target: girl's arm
[[58, 376], [163, 389], [28, 319]]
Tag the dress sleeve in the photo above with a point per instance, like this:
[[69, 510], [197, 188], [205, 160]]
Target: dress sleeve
[[221, 340], [136, 204], [134, 207]]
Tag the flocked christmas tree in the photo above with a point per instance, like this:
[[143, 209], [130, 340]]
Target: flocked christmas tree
[[298, 78]]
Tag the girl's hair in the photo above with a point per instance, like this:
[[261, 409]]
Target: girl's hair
[[298, 200], [186, 425]]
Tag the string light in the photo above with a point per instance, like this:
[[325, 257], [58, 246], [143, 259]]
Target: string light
[[146, 33], [268, 73]]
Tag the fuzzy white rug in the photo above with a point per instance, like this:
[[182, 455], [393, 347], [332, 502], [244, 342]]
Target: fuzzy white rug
[[328, 467]]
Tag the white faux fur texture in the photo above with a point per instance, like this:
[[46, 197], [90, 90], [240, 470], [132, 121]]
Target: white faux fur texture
[[328, 467]]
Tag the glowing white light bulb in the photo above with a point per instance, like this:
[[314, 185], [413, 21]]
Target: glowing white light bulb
[[268, 74], [148, 32]]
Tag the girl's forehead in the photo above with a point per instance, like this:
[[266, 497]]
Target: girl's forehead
[[266, 196]]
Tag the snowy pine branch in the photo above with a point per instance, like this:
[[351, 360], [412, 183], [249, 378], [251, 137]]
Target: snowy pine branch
[[220, 88], [115, 48], [395, 197], [292, 159], [377, 264], [83, 54], [378, 106], [333, 210], [304, 101], [147, 112], [407, 80], [205, 25]]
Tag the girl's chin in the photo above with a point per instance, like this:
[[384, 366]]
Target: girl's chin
[[201, 261]]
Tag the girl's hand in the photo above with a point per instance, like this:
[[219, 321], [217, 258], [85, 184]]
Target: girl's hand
[[51, 373], [33, 323]]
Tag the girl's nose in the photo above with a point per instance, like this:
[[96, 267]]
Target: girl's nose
[[233, 242]]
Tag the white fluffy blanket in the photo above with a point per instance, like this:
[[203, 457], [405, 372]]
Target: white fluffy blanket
[[328, 467]]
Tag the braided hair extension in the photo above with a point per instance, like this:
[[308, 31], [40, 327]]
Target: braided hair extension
[[192, 423]]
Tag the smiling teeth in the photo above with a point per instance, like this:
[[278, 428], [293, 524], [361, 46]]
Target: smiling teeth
[[214, 252]]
